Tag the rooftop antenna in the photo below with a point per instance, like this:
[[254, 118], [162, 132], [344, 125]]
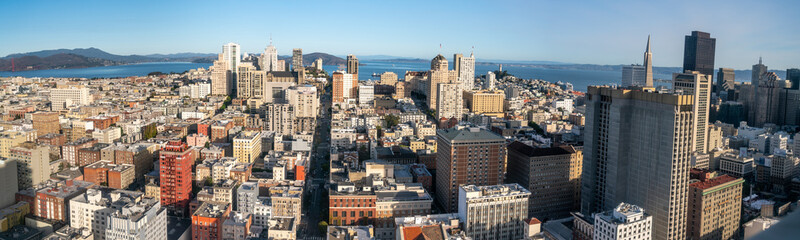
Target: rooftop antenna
[[440, 48], [270, 39], [472, 52]]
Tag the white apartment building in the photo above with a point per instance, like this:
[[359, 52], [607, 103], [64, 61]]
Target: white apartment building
[[493, 212], [625, 222], [118, 214], [64, 96]]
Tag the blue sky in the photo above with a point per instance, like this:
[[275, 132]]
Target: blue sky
[[593, 32]]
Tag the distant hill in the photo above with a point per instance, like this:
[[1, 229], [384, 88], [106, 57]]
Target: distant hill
[[86, 52], [308, 59], [54, 61], [91, 57]]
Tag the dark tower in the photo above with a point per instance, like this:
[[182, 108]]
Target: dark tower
[[698, 53]]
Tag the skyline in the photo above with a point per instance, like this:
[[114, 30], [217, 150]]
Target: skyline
[[358, 28]]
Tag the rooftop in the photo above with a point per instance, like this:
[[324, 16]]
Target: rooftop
[[538, 152], [714, 182], [212, 209]]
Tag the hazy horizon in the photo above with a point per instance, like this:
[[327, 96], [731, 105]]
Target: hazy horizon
[[578, 33]]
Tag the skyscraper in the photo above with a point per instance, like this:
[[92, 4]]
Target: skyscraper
[[698, 85], [726, 81], [793, 75], [764, 107], [633, 75], [297, 58], [648, 65], [352, 64], [698, 53], [637, 149], [232, 55], [465, 68], [758, 70], [467, 156], [176, 160], [270, 58]]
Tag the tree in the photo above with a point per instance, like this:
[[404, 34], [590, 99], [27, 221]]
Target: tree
[[391, 120], [323, 226], [536, 127], [209, 181]]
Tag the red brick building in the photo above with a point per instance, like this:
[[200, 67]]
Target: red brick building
[[90, 155], [52, 139], [102, 122], [352, 209], [109, 174], [52, 202], [219, 131], [208, 219], [69, 152], [176, 161]]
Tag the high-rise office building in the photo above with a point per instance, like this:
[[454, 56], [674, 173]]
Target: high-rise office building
[[553, 173], [467, 155], [758, 70], [465, 68], [297, 59], [176, 160], [450, 103], [625, 222], [726, 81], [648, 65], [344, 86], [793, 75], [352, 64], [633, 75], [698, 85], [698, 53], [232, 55], [45, 123], [764, 104], [493, 212], [714, 207], [638, 147], [269, 61]]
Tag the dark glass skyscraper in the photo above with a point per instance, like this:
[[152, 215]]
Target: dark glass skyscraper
[[698, 53], [793, 75]]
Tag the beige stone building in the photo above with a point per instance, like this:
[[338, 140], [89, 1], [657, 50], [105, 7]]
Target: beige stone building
[[485, 101], [247, 146], [714, 208], [449, 103]]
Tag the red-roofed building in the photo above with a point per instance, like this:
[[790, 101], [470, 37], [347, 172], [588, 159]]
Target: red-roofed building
[[714, 207]]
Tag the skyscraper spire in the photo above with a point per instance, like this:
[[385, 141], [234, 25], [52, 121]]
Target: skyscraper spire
[[648, 65], [759, 59]]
